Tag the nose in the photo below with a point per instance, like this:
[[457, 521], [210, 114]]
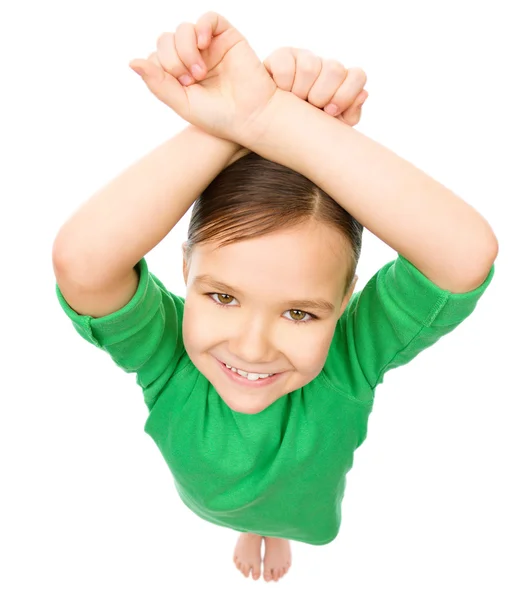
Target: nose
[[252, 343]]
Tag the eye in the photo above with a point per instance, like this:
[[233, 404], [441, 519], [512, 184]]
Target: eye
[[222, 296], [302, 312], [292, 310]]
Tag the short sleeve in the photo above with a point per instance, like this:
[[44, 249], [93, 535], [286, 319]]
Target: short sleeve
[[143, 337], [398, 314]]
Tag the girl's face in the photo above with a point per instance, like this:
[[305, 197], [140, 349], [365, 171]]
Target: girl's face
[[258, 320]]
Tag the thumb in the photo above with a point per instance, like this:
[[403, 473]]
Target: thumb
[[148, 71], [162, 85]]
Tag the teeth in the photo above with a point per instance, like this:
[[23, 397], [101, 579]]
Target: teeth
[[255, 376], [249, 376]]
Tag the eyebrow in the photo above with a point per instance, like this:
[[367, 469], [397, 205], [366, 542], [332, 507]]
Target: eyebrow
[[313, 304]]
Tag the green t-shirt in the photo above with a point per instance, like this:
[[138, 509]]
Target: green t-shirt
[[280, 472]]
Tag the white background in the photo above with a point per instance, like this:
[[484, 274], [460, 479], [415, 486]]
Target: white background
[[434, 506]]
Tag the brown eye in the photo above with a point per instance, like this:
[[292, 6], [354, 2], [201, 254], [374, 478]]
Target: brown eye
[[301, 314], [222, 297]]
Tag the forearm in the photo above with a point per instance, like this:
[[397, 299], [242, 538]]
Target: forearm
[[122, 222], [444, 237]]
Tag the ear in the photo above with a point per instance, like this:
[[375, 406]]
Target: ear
[[348, 295]]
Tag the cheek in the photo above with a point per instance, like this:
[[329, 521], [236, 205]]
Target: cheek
[[198, 327], [309, 352]]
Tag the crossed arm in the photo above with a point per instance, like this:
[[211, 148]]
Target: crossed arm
[[443, 236]]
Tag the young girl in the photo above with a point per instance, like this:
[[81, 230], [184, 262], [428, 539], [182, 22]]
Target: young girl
[[259, 383]]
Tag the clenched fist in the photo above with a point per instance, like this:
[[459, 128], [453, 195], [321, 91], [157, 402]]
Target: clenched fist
[[321, 82], [227, 92]]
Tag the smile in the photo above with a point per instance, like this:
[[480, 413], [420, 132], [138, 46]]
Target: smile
[[242, 380]]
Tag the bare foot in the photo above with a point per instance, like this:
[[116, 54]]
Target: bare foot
[[278, 558], [247, 554]]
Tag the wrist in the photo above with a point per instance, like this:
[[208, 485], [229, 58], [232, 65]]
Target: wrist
[[231, 148], [259, 128]]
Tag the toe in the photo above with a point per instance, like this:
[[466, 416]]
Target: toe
[[256, 572], [267, 575], [239, 565], [245, 569], [275, 574]]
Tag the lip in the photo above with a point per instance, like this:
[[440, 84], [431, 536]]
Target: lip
[[246, 382]]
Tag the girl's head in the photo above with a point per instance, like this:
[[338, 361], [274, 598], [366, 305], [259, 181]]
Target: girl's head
[[276, 241]]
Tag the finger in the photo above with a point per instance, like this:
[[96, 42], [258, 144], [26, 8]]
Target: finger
[[203, 31], [281, 66], [349, 90], [361, 98], [150, 69], [329, 81], [353, 114], [308, 68], [208, 25], [219, 31], [169, 60], [216, 22], [154, 58], [187, 50], [161, 83]]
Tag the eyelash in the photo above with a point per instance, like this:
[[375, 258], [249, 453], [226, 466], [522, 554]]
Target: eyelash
[[312, 317]]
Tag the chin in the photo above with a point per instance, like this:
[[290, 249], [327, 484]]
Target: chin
[[248, 404], [246, 410]]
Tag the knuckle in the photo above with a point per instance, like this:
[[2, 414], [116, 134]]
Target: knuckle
[[272, 58], [309, 64], [184, 25], [165, 35], [279, 71], [279, 54], [209, 14], [360, 75], [333, 66], [280, 65], [208, 18], [281, 62]]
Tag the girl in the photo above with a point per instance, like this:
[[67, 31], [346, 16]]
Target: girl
[[259, 383]]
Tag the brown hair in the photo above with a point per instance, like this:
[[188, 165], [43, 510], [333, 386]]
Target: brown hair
[[255, 196]]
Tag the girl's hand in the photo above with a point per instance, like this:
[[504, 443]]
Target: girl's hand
[[319, 81], [230, 93]]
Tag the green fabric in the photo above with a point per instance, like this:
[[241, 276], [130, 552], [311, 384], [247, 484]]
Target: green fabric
[[281, 472]]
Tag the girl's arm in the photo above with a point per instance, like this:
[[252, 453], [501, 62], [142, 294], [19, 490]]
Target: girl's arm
[[108, 235], [441, 235]]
